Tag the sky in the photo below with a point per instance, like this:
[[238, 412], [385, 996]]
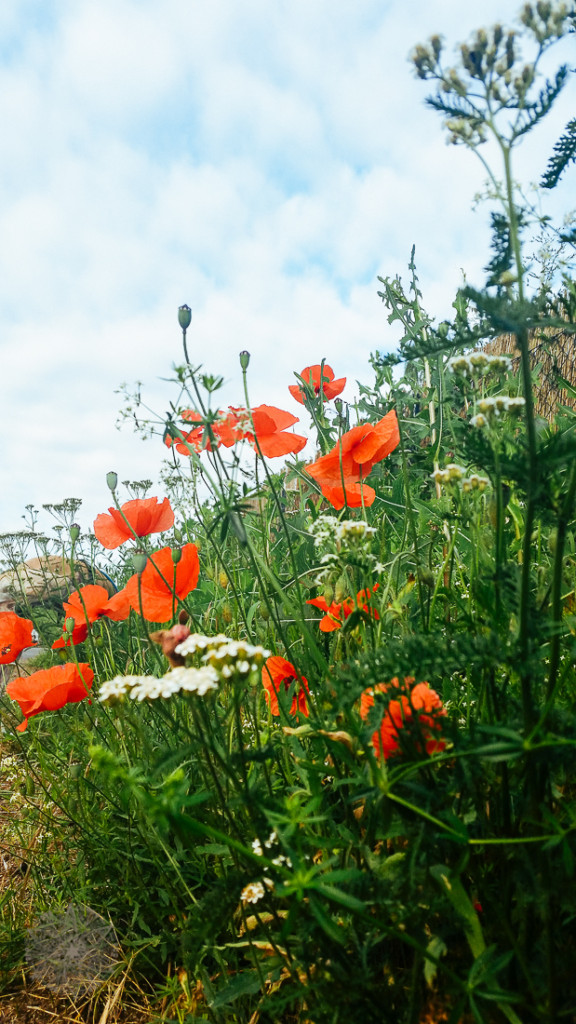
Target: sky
[[262, 161]]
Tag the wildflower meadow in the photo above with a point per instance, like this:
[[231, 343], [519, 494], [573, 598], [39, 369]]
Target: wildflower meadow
[[298, 741]]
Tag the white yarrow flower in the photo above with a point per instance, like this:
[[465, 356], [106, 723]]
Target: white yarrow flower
[[252, 893]]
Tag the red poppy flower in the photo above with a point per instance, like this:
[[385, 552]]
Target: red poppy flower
[[338, 612], [314, 375], [145, 515], [87, 605], [419, 707], [278, 673], [163, 584], [15, 635], [340, 474], [196, 439], [50, 689], [268, 425]]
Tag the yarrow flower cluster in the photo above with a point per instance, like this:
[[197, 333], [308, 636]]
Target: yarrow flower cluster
[[450, 474], [224, 656], [345, 541], [329, 529], [179, 680], [252, 893], [478, 363], [453, 474], [490, 409]]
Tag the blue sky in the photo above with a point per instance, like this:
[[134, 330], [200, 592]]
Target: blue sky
[[261, 160]]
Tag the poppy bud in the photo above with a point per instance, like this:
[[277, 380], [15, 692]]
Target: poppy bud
[[244, 359], [341, 588], [69, 624], [74, 532], [184, 317], [176, 555], [112, 480], [177, 535], [139, 559]]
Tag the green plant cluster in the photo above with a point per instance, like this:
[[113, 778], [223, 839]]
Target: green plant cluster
[[400, 827]]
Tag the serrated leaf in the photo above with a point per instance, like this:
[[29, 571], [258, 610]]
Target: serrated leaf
[[436, 948]]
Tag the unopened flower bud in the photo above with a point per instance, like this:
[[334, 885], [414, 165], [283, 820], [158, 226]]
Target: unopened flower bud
[[69, 624], [176, 555], [139, 560], [74, 532], [184, 317], [112, 480], [341, 589], [244, 359], [177, 535]]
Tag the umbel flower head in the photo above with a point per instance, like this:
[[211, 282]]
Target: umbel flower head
[[230, 659], [140, 688]]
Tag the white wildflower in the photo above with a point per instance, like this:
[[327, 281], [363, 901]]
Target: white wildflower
[[478, 363], [323, 529], [198, 642], [450, 474], [147, 688], [252, 893], [117, 688], [354, 529], [193, 680]]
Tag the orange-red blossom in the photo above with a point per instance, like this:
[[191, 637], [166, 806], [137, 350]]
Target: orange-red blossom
[[157, 593], [341, 473], [50, 689], [265, 429], [15, 635], [87, 605], [315, 376], [337, 612], [418, 708], [139, 517], [277, 673]]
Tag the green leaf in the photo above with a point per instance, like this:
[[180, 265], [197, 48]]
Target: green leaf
[[462, 904], [344, 898], [242, 985], [435, 948], [327, 923]]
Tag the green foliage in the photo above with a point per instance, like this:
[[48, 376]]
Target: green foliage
[[402, 818], [564, 154]]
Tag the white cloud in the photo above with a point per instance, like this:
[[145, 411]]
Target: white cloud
[[262, 161]]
